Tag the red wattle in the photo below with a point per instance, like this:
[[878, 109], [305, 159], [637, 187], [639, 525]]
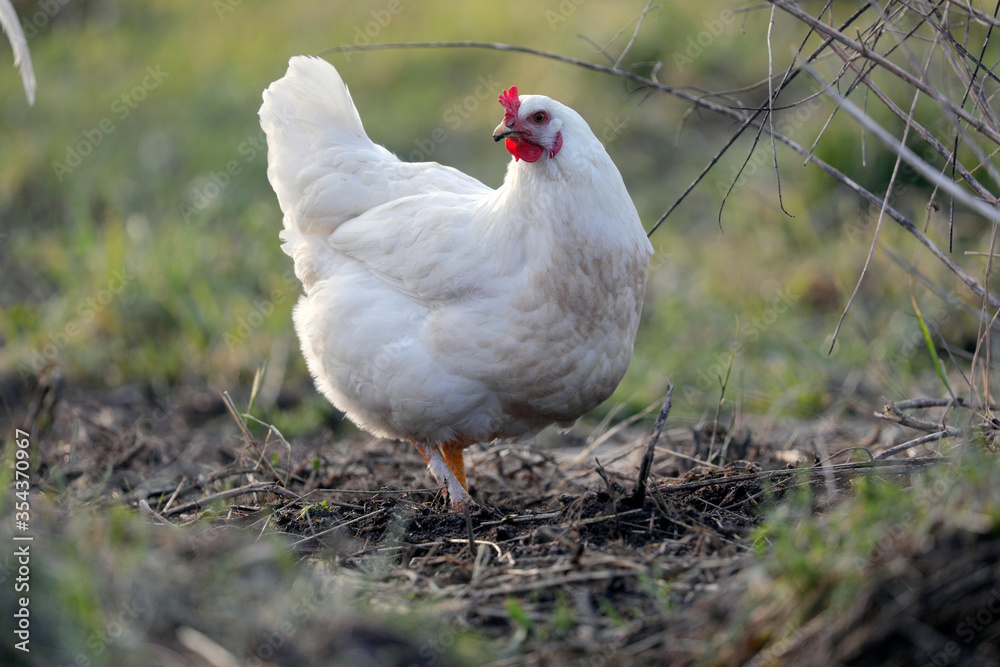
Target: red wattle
[[511, 148], [523, 150]]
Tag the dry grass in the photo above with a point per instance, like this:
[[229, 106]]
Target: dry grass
[[565, 564]]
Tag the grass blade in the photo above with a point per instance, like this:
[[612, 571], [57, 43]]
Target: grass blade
[[930, 347]]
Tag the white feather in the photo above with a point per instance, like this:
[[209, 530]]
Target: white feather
[[437, 309], [19, 45]]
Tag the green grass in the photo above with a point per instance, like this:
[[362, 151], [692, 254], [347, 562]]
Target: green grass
[[885, 538], [156, 259]]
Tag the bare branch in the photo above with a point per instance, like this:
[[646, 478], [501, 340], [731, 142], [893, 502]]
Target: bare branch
[[751, 120], [900, 149]]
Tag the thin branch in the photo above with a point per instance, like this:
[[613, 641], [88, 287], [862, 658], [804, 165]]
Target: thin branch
[[892, 414], [952, 111], [230, 493], [370, 515], [747, 120], [910, 444], [770, 112], [964, 5], [926, 136], [639, 494], [911, 158], [635, 33], [881, 213]]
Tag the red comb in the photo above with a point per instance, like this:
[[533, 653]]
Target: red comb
[[510, 101]]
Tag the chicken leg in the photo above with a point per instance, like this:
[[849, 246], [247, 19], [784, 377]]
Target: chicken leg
[[447, 464]]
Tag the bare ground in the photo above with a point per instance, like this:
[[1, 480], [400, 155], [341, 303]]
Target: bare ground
[[559, 561]]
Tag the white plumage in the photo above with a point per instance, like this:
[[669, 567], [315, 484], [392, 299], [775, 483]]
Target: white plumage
[[437, 309]]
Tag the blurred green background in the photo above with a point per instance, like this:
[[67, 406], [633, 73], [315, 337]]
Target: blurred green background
[[138, 232]]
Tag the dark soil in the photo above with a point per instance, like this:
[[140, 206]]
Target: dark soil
[[552, 530]]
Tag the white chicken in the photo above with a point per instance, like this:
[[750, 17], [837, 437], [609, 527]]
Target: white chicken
[[439, 310]]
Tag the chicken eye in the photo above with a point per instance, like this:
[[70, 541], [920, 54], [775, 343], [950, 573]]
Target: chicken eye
[[539, 117]]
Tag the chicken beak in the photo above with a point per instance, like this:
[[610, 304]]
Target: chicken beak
[[503, 130]]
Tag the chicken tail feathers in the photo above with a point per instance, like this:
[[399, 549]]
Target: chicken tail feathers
[[307, 110], [326, 171], [318, 158]]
